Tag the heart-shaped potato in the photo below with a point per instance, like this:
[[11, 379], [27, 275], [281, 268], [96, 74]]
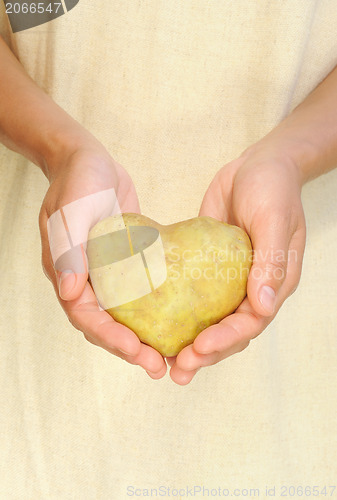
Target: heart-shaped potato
[[168, 283]]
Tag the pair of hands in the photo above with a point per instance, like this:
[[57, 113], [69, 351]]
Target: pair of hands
[[260, 192]]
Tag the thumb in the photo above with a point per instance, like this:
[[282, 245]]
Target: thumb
[[68, 251], [270, 258], [68, 230]]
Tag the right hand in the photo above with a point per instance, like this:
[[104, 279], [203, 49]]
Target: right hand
[[86, 171]]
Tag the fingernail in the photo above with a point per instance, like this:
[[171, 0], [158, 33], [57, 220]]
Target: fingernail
[[67, 282], [268, 298]]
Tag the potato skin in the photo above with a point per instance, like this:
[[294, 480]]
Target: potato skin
[[207, 263]]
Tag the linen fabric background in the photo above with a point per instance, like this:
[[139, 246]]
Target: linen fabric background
[[174, 90]]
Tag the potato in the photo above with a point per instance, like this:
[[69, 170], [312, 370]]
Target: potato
[[168, 283]]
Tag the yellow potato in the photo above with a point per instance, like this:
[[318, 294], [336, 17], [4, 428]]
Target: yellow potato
[[168, 283]]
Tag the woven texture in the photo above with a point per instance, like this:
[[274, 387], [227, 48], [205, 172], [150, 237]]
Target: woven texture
[[174, 90]]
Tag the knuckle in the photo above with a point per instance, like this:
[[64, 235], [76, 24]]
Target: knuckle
[[89, 339], [41, 219], [47, 266], [276, 270], [73, 323], [293, 288], [44, 269], [243, 345]]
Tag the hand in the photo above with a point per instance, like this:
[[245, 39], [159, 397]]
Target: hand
[[260, 192], [87, 171]]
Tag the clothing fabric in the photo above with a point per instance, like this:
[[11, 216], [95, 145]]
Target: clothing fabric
[[174, 90]]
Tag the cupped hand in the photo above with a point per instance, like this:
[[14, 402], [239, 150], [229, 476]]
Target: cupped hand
[[89, 171], [260, 192]]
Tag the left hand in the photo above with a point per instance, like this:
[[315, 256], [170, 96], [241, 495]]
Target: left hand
[[260, 192]]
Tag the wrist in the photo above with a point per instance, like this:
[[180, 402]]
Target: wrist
[[59, 145], [284, 146], [302, 148], [308, 135]]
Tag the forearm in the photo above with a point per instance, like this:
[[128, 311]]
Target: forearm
[[309, 134], [31, 123]]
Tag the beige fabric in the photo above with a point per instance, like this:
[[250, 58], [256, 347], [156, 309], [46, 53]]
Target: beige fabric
[[174, 89]]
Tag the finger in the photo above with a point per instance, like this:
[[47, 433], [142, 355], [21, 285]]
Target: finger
[[67, 232], [102, 330], [127, 196], [270, 237], [189, 359], [68, 268], [67, 235], [85, 315], [217, 202], [182, 377], [151, 361], [147, 358], [159, 374], [217, 342], [295, 261], [214, 203], [231, 335]]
